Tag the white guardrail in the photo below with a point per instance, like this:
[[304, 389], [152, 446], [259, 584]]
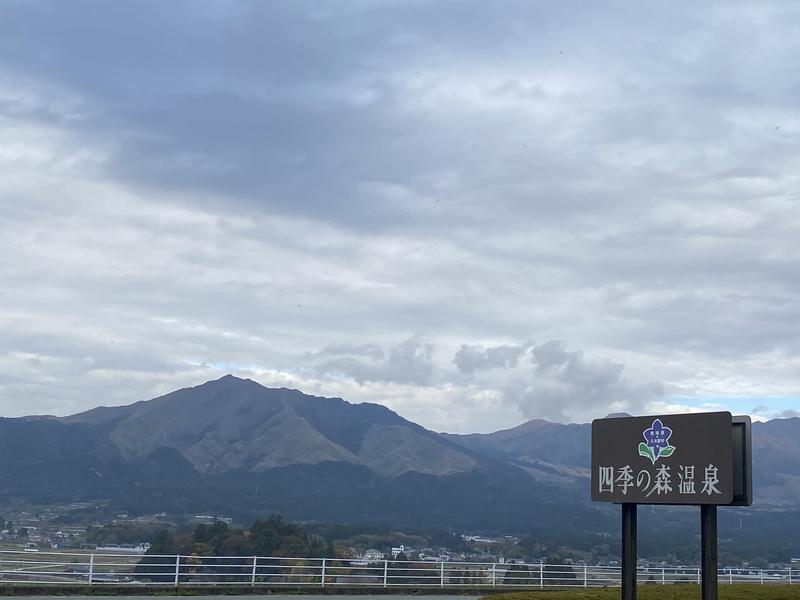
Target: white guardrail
[[65, 568]]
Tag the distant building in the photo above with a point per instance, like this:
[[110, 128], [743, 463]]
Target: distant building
[[123, 549], [373, 554], [210, 519], [206, 519], [396, 551]]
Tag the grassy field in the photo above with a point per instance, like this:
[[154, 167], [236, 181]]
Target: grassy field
[[668, 592]]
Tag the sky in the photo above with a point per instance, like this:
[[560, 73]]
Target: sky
[[475, 213]]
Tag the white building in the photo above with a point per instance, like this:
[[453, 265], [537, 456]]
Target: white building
[[373, 554]]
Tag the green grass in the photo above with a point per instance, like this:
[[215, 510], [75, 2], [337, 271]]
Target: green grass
[[663, 592]]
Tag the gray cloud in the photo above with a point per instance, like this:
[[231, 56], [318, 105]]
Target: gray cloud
[[563, 384], [788, 414], [470, 358], [188, 190], [409, 361], [373, 351]]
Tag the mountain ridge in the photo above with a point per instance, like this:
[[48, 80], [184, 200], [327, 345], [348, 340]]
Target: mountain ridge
[[240, 424], [231, 445]]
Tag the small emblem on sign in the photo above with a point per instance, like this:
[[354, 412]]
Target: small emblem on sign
[[656, 444]]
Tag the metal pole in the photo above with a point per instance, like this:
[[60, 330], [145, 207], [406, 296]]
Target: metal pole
[[628, 552], [322, 582], [663, 577], [708, 551], [253, 575], [730, 576], [761, 572], [494, 575], [91, 568], [541, 575], [177, 569], [385, 573], [585, 576], [441, 584], [790, 576]]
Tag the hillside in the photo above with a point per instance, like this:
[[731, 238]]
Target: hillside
[[233, 446], [237, 424], [564, 449]]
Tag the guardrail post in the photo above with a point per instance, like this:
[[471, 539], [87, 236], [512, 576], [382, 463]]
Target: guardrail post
[[790, 575], [730, 576], [663, 577], [322, 580], [253, 574], [494, 575], [441, 571], [585, 576], [541, 575], [698, 575], [385, 573], [761, 573], [177, 569], [91, 568]]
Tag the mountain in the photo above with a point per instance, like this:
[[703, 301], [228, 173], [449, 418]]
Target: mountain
[[235, 447], [232, 445], [237, 424], [564, 450], [551, 451], [776, 462]]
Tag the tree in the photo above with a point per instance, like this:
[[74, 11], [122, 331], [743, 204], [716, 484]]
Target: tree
[[276, 537], [213, 535], [153, 563], [558, 572]]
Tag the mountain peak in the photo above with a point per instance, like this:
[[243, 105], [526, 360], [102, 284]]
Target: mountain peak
[[229, 382], [229, 378]]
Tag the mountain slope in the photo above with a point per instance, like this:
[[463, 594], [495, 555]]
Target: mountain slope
[[541, 446], [534, 441], [234, 446], [237, 424]]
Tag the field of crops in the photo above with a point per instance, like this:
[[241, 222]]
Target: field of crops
[[669, 592]]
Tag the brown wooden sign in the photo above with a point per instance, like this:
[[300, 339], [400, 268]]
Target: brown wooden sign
[[664, 459]]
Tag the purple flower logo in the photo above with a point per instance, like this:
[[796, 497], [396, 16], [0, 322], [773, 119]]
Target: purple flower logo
[[656, 444]]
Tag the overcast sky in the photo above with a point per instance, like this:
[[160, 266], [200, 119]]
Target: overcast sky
[[475, 213]]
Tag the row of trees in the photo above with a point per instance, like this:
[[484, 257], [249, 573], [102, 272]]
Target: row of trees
[[200, 550], [265, 537], [200, 553]]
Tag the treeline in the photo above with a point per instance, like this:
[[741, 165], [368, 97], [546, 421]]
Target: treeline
[[265, 537], [222, 553]]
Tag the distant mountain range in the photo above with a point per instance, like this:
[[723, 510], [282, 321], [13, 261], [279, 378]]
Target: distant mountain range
[[543, 447], [233, 446]]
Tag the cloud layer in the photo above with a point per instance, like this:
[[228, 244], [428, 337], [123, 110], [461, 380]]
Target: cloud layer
[[402, 202]]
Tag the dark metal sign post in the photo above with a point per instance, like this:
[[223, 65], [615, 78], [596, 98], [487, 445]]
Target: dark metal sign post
[[701, 459], [628, 552], [708, 551]]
